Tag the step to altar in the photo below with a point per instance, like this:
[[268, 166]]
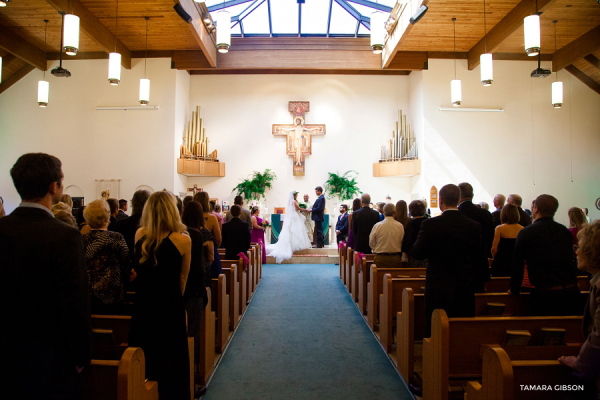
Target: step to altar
[[311, 256]]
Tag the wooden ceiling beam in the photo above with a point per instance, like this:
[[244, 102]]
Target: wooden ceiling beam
[[203, 38], [14, 78], [221, 71], [20, 48], [589, 82], [94, 28], [398, 35], [503, 29], [577, 49], [593, 60]]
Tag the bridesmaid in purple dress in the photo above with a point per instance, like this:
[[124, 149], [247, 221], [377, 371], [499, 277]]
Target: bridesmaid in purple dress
[[258, 232]]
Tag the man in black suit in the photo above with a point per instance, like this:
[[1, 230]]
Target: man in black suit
[[317, 211], [547, 248], [451, 243], [122, 208], [45, 337], [499, 201], [341, 227], [236, 237], [524, 218], [363, 221], [129, 226]]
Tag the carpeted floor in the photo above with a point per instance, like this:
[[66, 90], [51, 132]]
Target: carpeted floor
[[302, 337]]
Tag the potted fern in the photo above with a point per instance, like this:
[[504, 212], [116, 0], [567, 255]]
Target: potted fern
[[254, 187], [342, 186]]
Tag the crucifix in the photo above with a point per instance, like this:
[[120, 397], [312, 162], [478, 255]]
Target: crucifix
[[299, 135], [194, 189]]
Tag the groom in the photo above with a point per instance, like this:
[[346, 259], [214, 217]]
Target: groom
[[317, 216]]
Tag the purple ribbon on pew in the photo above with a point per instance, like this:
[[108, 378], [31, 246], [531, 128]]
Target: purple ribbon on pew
[[359, 257], [341, 245], [243, 256]]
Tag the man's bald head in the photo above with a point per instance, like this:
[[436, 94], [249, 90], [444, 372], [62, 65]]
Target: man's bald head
[[499, 201], [514, 199]]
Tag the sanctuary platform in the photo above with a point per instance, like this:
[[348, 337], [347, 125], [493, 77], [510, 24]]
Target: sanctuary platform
[[311, 256]]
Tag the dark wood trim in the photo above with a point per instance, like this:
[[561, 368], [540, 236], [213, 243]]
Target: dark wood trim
[[14, 78], [593, 60], [589, 82], [448, 55], [520, 57], [577, 49], [204, 39], [81, 55], [152, 54], [264, 71], [19, 47]]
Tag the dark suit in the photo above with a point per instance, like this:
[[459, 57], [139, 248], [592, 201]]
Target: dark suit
[[128, 227], [318, 210], [524, 218], [547, 248], [121, 215], [236, 238], [342, 226], [451, 243], [484, 218], [45, 308], [496, 217], [363, 221]]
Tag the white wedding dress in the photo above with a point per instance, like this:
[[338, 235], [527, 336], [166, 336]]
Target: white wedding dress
[[293, 236]]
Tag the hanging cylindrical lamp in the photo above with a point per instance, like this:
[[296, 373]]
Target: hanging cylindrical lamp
[[114, 59], [378, 20], [3, 3], [44, 85], [144, 82], [71, 34], [532, 35], [557, 87], [485, 60], [223, 20], [455, 85]]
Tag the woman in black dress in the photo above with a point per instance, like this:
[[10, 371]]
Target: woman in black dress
[[162, 263], [505, 239], [416, 208]]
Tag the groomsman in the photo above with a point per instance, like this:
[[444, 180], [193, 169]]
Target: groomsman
[[341, 228], [317, 215]]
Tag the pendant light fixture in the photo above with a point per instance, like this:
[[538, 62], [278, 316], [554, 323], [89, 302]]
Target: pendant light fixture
[[557, 86], [455, 86], [223, 20], [378, 20], [3, 3], [114, 59], [44, 85], [144, 82], [532, 34], [485, 60], [71, 34]]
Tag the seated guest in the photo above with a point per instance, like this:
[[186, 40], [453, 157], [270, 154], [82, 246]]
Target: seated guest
[[211, 223], [114, 210], [65, 217], [122, 210], [341, 226], [107, 260], [505, 238], [355, 207], [499, 201], [524, 218], [451, 243], [245, 216], [158, 326], [258, 231], [587, 363], [68, 200], [385, 240], [380, 210], [417, 212], [401, 213], [44, 297], [216, 211], [236, 237], [484, 205], [363, 221], [129, 226], [547, 248]]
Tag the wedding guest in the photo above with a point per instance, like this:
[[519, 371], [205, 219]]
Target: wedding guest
[[257, 235], [380, 210], [65, 217], [341, 227], [505, 237], [385, 240], [417, 212], [186, 200], [68, 200], [236, 237], [577, 221], [129, 226], [216, 211], [114, 210], [2, 212], [355, 207], [123, 206], [484, 205], [179, 204], [524, 217], [60, 206], [158, 326], [211, 223], [585, 211], [44, 296], [245, 215], [81, 224], [194, 218], [401, 214], [388, 199], [107, 260], [363, 221], [499, 201], [587, 363]]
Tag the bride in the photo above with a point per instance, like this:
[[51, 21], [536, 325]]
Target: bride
[[293, 236]]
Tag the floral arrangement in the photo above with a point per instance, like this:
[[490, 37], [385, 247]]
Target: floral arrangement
[[265, 223], [302, 205], [343, 186], [254, 188]]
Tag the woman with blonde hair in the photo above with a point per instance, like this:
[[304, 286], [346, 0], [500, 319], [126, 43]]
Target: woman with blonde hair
[[212, 224], [158, 325], [68, 200], [577, 221]]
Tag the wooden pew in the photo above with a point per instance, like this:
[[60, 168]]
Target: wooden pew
[[358, 265], [502, 377], [342, 251], [118, 325], [348, 267], [391, 302], [242, 276], [233, 291], [122, 379], [502, 284], [258, 262], [220, 305], [208, 358], [455, 345]]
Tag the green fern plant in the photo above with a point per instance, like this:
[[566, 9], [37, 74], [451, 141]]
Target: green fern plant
[[254, 187], [342, 186]]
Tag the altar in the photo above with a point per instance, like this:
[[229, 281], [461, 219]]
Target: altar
[[277, 223]]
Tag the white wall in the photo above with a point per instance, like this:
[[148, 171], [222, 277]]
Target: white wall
[[135, 146]]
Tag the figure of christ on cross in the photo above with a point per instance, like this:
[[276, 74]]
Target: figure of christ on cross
[[299, 135]]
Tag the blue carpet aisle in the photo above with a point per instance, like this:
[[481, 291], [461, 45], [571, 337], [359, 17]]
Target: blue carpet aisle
[[302, 337]]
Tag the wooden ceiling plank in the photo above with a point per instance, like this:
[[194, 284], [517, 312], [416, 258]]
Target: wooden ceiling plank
[[577, 49], [95, 29], [503, 29], [14, 78], [203, 38], [593, 60], [589, 82], [19, 47], [410, 60], [281, 71]]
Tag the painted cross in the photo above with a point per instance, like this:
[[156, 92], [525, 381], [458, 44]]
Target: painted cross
[[299, 135]]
